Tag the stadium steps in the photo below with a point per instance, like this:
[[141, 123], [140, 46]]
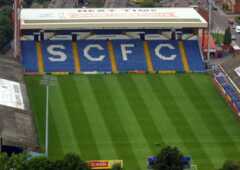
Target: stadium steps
[[148, 57], [40, 58], [76, 57], [112, 57], [184, 57]]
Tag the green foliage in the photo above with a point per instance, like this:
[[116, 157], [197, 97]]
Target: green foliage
[[17, 162], [6, 31], [147, 3], [5, 2], [169, 158], [227, 37], [225, 7], [40, 163], [22, 162], [28, 3], [73, 161], [3, 161], [218, 37], [231, 165]]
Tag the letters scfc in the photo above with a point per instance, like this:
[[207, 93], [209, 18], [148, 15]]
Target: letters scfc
[[57, 55]]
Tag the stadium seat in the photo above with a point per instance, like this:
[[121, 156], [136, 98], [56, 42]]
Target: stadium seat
[[229, 89], [29, 57], [129, 55], [94, 56], [57, 56], [165, 55], [194, 56], [238, 105]]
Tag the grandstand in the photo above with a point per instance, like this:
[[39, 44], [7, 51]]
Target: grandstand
[[227, 79], [126, 117], [133, 40]]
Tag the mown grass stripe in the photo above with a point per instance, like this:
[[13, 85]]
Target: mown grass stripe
[[55, 146], [219, 106], [193, 115], [37, 93], [62, 141], [178, 119], [112, 121], [158, 113], [99, 130], [131, 126], [210, 119], [62, 122], [141, 112], [77, 116]]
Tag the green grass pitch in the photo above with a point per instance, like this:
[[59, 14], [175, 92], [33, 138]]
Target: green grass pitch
[[130, 117]]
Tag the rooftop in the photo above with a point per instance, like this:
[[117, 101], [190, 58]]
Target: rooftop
[[111, 18]]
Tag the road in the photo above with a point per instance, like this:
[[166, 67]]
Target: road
[[221, 22], [116, 3]]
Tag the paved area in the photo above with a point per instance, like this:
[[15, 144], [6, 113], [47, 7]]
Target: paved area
[[229, 67], [221, 21]]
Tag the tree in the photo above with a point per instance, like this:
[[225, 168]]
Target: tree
[[231, 165], [6, 31], [227, 37], [73, 161], [168, 159], [25, 162], [3, 161], [147, 3], [17, 161], [40, 163], [5, 2]]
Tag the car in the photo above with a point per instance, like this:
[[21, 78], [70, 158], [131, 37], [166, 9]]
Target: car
[[237, 29]]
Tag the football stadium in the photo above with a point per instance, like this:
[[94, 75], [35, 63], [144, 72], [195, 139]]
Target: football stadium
[[120, 84]]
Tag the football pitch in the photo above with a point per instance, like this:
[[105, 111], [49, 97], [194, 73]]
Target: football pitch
[[131, 117]]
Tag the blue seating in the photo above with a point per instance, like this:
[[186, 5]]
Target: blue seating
[[221, 80], [228, 87], [238, 105], [133, 58], [29, 56], [58, 56], [166, 57], [94, 56], [194, 56]]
